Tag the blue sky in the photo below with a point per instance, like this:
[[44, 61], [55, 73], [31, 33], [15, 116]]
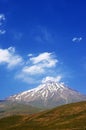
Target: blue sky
[[42, 40]]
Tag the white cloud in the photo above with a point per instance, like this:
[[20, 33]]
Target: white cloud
[[37, 67], [41, 57], [77, 39], [8, 56], [40, 63], [49, 78], [33, 70]]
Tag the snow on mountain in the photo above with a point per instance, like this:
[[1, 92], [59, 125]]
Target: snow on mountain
[[48, 95]]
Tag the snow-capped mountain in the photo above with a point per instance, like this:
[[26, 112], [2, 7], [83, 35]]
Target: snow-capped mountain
[[48, 95]]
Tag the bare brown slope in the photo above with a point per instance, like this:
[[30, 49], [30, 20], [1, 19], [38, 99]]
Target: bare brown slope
[[67, 117]]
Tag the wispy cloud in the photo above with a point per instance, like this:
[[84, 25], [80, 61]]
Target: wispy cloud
[[2, 20], [26, 78], [77, 39], [10, 58]]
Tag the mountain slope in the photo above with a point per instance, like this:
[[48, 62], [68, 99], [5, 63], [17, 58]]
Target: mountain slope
[[8, 108], [49, 95], [67, 117]]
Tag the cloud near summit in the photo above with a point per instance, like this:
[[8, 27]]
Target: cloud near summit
[[54, 79]]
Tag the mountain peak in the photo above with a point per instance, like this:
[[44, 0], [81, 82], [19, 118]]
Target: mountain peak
[[49, 94]]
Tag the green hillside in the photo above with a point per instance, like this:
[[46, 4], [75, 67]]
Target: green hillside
[[67, 117]]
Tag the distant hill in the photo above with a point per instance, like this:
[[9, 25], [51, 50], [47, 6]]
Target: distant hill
[[8, 108], [66, 117]]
